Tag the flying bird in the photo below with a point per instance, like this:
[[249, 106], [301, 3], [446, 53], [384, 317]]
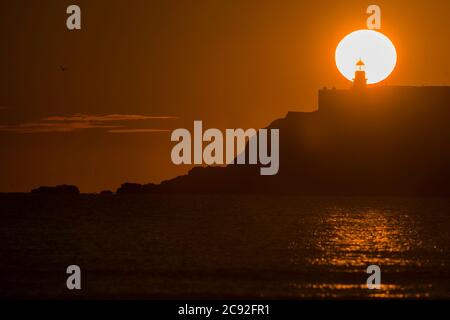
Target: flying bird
[[62, 68]]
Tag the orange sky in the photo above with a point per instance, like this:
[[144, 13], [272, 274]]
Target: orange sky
[[228, 63]]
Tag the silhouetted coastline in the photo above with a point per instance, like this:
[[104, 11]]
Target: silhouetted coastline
[[375, 141]]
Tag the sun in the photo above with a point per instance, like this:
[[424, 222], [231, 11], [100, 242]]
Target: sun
[[373, 48]]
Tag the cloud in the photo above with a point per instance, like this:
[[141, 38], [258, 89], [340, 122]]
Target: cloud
[[137, 130], [105, 118], [40, 127], [110, 122]]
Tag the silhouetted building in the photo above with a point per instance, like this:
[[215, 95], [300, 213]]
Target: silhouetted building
[[391, 99], [360, 81]]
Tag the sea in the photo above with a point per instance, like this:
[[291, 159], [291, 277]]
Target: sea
[[223, 246]]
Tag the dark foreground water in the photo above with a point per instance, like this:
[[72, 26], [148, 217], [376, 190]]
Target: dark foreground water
[[223, 246]]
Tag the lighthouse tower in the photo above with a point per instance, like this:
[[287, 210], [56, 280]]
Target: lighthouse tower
[[360, 81]]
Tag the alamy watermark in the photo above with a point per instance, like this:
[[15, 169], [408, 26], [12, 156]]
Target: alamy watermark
[[73, 21], [374, 280], [73, 281], [233, 143], [374, 20]]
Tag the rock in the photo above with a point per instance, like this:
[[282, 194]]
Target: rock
[[135, 188], [62, 189]]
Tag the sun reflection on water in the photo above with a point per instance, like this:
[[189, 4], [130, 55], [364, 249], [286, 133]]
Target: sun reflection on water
[[334, 290], [357, 239], [345, 241]]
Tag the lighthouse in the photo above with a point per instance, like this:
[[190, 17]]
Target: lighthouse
[[360, 81]]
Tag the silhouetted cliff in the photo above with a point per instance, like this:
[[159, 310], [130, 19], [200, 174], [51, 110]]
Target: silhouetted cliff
[[62, 189], [384, 140]]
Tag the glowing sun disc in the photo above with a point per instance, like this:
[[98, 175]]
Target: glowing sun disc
[[373, 48]]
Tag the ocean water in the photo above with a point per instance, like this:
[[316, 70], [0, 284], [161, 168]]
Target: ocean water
[[233, 246]]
